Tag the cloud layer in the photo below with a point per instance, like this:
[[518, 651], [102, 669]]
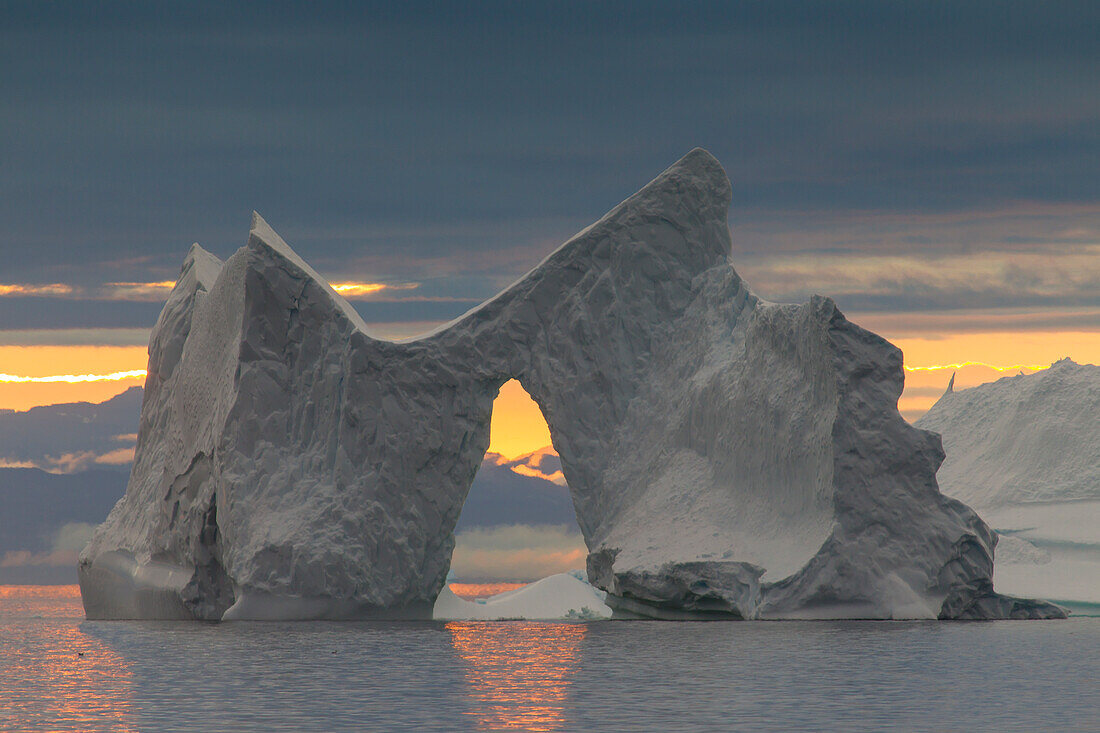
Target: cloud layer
[[454, 146], [68, 438], [517, 553]]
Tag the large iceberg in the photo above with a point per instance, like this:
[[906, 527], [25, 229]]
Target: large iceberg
[[727, 457], [1024, 451]]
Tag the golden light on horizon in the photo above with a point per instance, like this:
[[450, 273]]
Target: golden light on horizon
[[353, 290], [518, 427], [357, 288], [470, 591], [150, 291], [74, 378], [534, 459], [26, 289], [1000, 350], [137, 291], [965, 364], [161, 285], [50, 375], [930, 360], [36, 375]]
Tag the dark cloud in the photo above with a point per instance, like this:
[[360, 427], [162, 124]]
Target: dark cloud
[[975, 280], [50, 313], [71, 437], [133, 129], [75, 337], [22, 314], [933, 323], [46, 515]]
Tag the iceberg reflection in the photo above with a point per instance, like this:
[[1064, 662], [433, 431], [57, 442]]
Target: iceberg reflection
[[519, 672]]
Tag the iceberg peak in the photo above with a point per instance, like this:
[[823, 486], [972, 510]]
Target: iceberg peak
[[264, 240], [202, 265]]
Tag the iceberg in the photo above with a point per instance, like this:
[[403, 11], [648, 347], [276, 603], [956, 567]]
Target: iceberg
[[727, 457], [1023, 452], [556, 598]]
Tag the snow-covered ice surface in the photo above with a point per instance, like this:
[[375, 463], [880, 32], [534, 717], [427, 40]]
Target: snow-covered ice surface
[[562, 596], [1024, 451], [1022, 439], [727, 457]]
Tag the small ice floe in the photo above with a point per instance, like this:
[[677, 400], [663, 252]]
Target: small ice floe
[[566, 596]]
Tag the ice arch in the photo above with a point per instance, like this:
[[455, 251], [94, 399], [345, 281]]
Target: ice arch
[[518, 522], [727, 456]]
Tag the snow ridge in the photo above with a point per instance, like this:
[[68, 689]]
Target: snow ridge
[[1024, 438]]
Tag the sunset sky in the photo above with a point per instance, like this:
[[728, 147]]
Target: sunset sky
[[930, 166]]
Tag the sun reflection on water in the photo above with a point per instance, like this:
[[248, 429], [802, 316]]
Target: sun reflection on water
[[519, 672], [89, 685]]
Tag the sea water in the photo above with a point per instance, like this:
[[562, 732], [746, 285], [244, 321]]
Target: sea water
[[61, 672]]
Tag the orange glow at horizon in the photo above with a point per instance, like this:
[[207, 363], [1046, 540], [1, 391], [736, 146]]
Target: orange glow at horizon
[[74, 378], [357, 288], [352, 290], [46, 375], [21, 289], [535, 457], [124, 365], [151, 291], [518, 427], [470, 591], [1001, 348], [930, 360], [965, 364], [162, 285]]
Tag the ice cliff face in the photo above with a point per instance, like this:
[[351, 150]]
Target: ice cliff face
[[727, 457], [1024, 452]]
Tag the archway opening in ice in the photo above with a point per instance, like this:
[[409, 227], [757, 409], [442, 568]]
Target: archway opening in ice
[[518, 523]]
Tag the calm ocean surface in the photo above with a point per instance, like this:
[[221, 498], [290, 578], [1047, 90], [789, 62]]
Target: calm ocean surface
[[60, 672]]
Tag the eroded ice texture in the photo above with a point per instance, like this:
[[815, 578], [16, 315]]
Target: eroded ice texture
[[727, 457]]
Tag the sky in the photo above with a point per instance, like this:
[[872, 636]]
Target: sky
[[931, 166]]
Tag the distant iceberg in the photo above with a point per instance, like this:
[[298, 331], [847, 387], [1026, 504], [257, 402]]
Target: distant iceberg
[[1024, 451], [727, 457], [558, 597]]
